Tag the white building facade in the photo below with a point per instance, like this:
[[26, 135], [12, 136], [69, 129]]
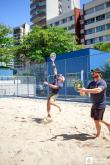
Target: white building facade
[[90, 24], [68, 13], [20, 31], [96, 22]]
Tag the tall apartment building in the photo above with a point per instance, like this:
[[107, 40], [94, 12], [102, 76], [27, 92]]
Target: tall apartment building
[[52, 9], [95, 22], [38, 12], [20, 31], [68, 20], [91, 24], [68, 16], [63, 13], [43, 10]]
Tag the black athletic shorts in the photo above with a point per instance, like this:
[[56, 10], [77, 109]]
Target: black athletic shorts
[[97, 113]]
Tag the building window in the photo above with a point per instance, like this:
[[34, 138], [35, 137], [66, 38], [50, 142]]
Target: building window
[[108, 15], [41, 11], [82, 26], [64, 20], [98, 39], [100, 28], [101, 39], [108, 26], [89, 11], [107, 4], [57, 23], [101, 17], [70, 18], [33, 7], [40, 4], [99, 7], [33, 13], [108, 38], [82, 36], [87, 42], [90, 41], [90, 31], [71, 27], [82, 17], [104, 38], [89, 21]]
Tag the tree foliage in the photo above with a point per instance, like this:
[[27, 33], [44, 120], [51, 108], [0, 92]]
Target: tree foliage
[[40, 42], [6, 42], [104, 46], [106, 76]]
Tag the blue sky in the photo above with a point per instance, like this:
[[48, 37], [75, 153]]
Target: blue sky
[[84, 1], [14, 12], [17, 12]]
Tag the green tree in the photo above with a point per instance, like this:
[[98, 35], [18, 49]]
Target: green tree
[[6, 42], [98, 46], [103, 46], [106, 46], [40, 42], [106, 76]]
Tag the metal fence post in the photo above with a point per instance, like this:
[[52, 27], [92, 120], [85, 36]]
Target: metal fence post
[[27, 85], [17, 86], [65, 82]]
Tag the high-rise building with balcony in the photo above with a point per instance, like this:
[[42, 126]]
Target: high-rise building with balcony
[[38, 12], [91, 24], [43, 10], [63, 13], [20, 31], [68, 20], [95, 22], [68, 16]]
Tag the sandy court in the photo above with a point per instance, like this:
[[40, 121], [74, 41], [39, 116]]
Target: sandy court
[[68, 140]]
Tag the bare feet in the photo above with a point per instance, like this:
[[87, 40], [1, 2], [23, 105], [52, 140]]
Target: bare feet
[[49, 116], [97, 135]]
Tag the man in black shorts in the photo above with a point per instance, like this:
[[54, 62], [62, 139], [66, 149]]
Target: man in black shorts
[[54, 90], [97, 89]]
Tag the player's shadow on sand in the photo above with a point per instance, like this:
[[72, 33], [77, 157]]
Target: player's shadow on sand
[[38, 120], [80, 137], [41, 120]]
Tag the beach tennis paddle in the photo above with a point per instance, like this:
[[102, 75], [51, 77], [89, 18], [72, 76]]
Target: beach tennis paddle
[[53, 56], [77, 86]]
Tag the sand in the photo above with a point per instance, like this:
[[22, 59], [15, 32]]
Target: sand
[[25, 139]]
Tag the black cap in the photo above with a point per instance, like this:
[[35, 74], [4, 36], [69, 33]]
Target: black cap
[[97, 70]]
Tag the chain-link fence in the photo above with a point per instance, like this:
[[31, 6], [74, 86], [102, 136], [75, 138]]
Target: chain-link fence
[[18, 86], [29, 79]]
